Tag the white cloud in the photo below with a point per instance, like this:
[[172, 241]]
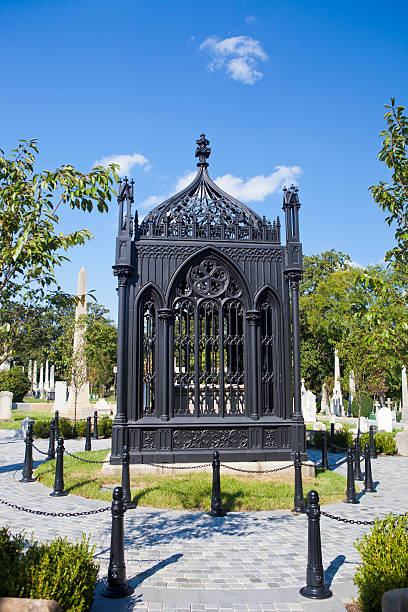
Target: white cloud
[[251, 18], [254, 189], [237, 55], [126, 162], [354, 264]]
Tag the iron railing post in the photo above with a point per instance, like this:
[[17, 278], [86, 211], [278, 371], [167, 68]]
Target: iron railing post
[[127, 498], [59, 471], [299, 502], [351, 489], [216, 506], [88, 434], [28, 456], [51, 443], [95, 425], [325, 459], [357, 466], [373, 450], [368, 477]]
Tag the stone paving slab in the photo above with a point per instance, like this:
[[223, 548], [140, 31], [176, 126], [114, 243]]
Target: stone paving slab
[[178, 560]]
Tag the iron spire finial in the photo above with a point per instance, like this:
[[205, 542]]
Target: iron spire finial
[[203, 150]]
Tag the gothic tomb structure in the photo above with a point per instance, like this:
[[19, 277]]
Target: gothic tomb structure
[[208, 349]]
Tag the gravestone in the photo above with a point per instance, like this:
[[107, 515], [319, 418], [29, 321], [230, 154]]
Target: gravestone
[[60, 396], [336, 401], [324, 405], [363, 425], [102, 407], [6, 400], [384, 419]]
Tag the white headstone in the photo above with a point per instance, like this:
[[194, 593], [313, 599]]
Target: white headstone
[[52, 378], [404, 395], [324, 405], [41, 383], [6, 400], [336, 401], [308, 405], [30, 371], [35, 379], [384, 419], [352, 384], [60, 396], [5, 366], [102, 407], [46, 378], [363, 425]]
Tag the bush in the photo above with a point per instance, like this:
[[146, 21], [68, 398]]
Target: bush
[[384, 556], [342, 438], [57, 570], [384, 442], [41, 429], [105, 427], [366, 407], [17, 381]]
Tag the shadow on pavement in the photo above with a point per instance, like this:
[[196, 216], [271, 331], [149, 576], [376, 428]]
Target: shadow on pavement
[[333, 568]]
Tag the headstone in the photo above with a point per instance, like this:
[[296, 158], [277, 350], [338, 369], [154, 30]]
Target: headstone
[[338, 427], [389, 403], [30, 371], [352, 385], [401, 440], [6, 401], [308, 404], [52, 378], [46, 378], [319, 426], [60, 396], [5, 366], [41, 383], [336, 401], [35, 379], [324, 405], [363, 425], [404, 395], [102, 407], [384, 419]]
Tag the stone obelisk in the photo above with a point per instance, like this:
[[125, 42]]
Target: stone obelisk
[[404, 395], [78, 405], [336, 402]]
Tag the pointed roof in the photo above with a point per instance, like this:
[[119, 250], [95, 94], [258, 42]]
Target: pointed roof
[[203, 201]]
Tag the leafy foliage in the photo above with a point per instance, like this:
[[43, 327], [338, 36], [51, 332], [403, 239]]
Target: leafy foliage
[[342, 438], [392, 197], [16, 381], [384, 442], [30, 245], [57, 570], [384, 555]]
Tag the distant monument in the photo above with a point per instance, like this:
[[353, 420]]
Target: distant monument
[[308, 404], [404, 395], [324, 404], [336, 400], [78, 405]]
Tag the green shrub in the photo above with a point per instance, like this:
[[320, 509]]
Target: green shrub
[[399, 416], [57, 570], [17, 381], [366, 407], [342, 438], [41, 429], [384, 556], [105, 427], [384, 442]]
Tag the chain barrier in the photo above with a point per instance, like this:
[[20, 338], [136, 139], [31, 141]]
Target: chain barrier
[[39, 450], [57, 514], [285, 467], [344, 520], [87, 460], [172, 467]]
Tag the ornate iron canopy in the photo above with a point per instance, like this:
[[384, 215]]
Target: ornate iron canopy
[[204, 210]]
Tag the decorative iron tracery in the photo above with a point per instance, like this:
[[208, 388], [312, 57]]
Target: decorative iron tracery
[[149, 361], [208, 361]]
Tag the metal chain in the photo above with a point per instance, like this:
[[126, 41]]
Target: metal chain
[[60, 514], [344, 520], [38, 450], [171, 467], [87, 460], [285, 467]]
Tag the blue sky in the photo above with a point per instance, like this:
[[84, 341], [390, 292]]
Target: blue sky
[[283, 90]]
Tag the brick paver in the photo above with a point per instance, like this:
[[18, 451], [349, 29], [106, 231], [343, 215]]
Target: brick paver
[[189, 561]]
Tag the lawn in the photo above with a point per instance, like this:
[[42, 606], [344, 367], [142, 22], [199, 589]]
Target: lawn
[[18, 415], [192, 491]]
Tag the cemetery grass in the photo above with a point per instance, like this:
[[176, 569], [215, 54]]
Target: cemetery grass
[[192, 490], [19, 415]]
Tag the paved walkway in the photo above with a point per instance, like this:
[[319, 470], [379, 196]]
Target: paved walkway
[[190, 562]]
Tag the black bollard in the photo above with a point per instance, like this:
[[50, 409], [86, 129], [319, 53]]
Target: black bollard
[[299, 502], [315, 587], [332, 446], [28, 457], [357, 466], [51, 443], [59, 471], [351, 489], [127, 498], [88, 434], [74, 432], [325, 459], [373, 452], [117, 586], [368, 477], [57, 428], [216, 507], [95, 431]]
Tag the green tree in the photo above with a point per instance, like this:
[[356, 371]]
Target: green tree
[[317, 352], [31, 247], [392, 196]]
